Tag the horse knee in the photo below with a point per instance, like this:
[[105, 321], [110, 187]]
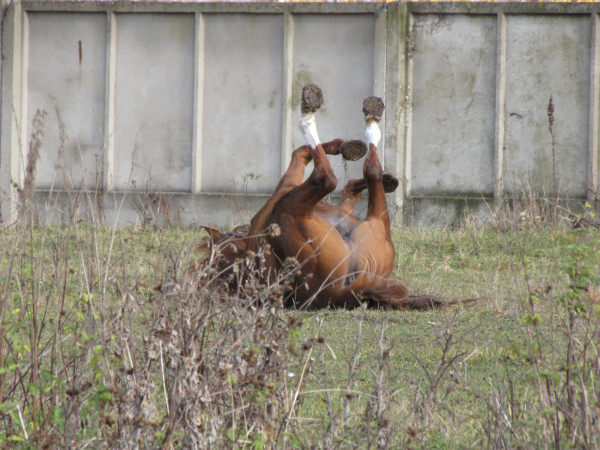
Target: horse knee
[[325, 180], [372, 170], [303, 153]]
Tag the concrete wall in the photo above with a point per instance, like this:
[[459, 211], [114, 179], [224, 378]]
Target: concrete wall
[[479, 128], [191, 108]]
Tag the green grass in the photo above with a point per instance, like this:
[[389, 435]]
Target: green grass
[[86, 296], [483, 345], [491, 340]]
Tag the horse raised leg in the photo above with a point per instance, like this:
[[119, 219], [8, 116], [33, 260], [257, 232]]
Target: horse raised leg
[[306, 235], [312, 99], [372, 256], [351, 150], [352, 192], [292, 177]]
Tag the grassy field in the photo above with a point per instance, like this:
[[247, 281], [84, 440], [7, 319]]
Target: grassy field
[[93, 354]]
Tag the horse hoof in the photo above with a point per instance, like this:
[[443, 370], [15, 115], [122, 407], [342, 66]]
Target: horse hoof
[[390, 183], [312, 98], [353, 150], [373, 108]]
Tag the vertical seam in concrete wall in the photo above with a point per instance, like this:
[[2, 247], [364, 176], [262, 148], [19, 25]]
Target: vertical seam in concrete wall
[[22, 102], [288, 78], [593, 181], [109, 107], [6, 41], [500, 113], [395, 98], [379, 69], [11, 105], [198, 108], [408, 104]]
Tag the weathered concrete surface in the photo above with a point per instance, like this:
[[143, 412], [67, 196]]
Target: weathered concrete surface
[[242, 103], [198, 101], [66, 65], [141, 207], [154, 85], [439, 212], [454, 61], [547, 56]]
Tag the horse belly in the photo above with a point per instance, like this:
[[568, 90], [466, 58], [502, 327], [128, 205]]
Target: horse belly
[[372, 250], [343, 222], [321, 251]]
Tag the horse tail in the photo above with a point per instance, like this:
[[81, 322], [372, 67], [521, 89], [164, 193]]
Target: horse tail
[[390, 293]]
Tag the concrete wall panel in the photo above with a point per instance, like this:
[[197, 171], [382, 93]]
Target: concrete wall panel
[[201, 100], [154, 92], [454, 76], [66, 79], [242, 120], [547, 56]]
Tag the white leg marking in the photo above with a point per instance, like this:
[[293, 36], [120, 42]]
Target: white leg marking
[[372, 133], [308, 128]]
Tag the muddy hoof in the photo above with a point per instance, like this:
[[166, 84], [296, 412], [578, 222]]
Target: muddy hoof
[[312, 98], [353, 150], [373, 108], [390, 183]]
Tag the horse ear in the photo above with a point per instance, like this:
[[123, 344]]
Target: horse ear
[[213, 232]]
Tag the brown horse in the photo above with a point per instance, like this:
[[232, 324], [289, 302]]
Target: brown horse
[[343, 261]]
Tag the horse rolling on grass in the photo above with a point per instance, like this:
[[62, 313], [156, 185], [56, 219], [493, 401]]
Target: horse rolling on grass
[[343, 261]]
